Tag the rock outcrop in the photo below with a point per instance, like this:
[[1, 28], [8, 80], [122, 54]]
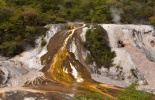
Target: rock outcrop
[[134, 46], [14, 70], [131, 43]]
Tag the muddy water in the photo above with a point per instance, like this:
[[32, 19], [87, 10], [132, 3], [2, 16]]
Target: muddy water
[[64, 74]]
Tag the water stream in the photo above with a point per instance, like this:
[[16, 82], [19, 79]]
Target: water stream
[[63, 75]]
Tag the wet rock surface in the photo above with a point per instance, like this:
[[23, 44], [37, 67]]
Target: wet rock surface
[[63, 74], [21, 95], [60, 69]]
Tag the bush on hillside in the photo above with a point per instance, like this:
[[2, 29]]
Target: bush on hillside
[[130, 93], [98, 45]]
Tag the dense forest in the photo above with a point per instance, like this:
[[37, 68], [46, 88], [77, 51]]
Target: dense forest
[[21, 21]]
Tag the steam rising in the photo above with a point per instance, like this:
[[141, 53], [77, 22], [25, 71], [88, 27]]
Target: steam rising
[[115, 14]]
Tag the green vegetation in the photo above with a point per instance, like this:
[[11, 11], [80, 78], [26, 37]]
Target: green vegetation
[[18, 25], [89, 96], [152, 20], [130, 93], [43, 42], [21, 21], [98, 45], [133, 71]]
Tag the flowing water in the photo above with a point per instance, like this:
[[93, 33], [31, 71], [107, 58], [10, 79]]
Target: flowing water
[[65, 72]]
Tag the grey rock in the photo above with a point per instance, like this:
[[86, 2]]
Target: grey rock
[[142, 82]]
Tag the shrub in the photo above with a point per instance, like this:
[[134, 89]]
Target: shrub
[[43, 42], [130, 93], [98, 45], [152, 20], [43, 19], [30, 29], [10, 49], [133, 71], [59, 20], [89, 58]]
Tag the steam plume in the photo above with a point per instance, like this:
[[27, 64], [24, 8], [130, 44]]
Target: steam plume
[[115, 14]]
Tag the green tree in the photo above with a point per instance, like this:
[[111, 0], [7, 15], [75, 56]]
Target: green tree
[[5, 13], [98, 45], [111, 2], [43, 42], [2, 3], [152, 20]]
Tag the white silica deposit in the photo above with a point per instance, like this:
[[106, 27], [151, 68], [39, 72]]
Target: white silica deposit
[[137, 36], [76, 74], [125, 33], [29, 61], [73, 49], [54, 28], [83, 34], [29, 98], [31, 57]]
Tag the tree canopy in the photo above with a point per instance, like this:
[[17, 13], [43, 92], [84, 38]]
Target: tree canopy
[[97, 43], [23, 20]]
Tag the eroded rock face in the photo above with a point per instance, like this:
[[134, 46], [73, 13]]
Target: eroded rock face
[[120, 37], [10, 71], [14, 70], [73, 51], [135, 50], [141, 36], [3, 77], [64, 62]]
